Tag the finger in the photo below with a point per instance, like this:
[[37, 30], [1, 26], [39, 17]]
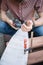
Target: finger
[[13, 24], [14, 27], [24, 26], [23, 29], [27, 28], [29, 22]]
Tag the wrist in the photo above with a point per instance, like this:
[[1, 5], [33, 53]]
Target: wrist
[[8, 21]]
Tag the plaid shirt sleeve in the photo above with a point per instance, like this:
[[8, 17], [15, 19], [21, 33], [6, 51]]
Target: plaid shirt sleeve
[[4, 5], [40, 5]]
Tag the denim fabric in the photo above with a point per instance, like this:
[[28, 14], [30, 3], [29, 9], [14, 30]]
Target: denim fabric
[[38, 31], [6, 29]]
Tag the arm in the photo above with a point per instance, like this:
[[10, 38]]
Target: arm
[[39, 22], [4, 17], [7, 20]]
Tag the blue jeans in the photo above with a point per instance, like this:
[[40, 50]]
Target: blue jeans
[[38, 31], [6, 29]]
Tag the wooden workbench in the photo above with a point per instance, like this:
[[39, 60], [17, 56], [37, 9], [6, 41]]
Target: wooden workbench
[[37, 41], [37, 55]]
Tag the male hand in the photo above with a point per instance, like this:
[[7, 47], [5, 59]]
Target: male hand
[[28, 26], [12, 24]]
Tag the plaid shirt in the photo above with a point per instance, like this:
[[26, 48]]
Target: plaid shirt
[[23, 10]]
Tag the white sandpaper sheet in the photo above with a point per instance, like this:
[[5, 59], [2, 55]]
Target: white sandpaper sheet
[[14, 52]]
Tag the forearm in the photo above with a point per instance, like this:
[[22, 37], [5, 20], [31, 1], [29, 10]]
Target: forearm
[[38, 22], [8, 20], [4, 17]]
